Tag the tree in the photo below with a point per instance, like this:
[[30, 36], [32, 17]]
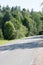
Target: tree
[[7, 8], [0, 8], [32, 11], [17, 14], [16, 23], [25, 23], [1, 16], [7, 16], [37, 20], [9, 30], [28, 22], [21, 30]]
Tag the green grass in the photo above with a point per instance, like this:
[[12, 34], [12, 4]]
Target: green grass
[[3, 42]]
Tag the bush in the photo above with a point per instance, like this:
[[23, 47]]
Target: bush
[[41, 33], [1, 35], [9, 30], [29, 23], [21, 32], [16, 23]]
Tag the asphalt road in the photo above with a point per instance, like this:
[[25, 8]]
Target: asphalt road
[[20, 52]]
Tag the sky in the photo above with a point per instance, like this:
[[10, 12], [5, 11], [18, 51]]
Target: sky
[[28, 4]]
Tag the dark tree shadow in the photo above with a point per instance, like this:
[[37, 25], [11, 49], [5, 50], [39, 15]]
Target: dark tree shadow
[[21, 46]]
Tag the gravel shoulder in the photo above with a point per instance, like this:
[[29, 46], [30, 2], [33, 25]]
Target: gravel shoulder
[[38, 60]]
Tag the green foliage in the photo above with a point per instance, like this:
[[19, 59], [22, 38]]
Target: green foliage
[[9, 30], [6, 17], [1, 16], [21, 32], [29, 23], [17, 14], [17, 23], [36, 17], [1, 35], [41, 33]]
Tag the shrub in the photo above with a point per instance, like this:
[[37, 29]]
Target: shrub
[[9, 30], [21, 32], [1, 35]]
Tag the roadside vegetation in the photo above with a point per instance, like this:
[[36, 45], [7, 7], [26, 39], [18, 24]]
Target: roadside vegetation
[[3, 42], [16, 23]]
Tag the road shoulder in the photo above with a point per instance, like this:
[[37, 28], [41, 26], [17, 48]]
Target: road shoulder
[[38, 60]]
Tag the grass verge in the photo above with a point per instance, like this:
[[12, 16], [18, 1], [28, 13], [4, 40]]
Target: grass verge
[[3, 42]]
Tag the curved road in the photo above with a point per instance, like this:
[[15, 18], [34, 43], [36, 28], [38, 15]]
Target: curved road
[[20, 52]]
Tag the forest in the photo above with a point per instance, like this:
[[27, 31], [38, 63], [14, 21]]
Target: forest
[[16, 23]]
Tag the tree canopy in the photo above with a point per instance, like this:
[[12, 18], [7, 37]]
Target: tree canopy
[[17, 23]]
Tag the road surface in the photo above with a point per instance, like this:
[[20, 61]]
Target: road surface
[[20, 52]]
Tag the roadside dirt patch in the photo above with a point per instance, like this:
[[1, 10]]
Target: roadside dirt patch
[[38, 60]]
